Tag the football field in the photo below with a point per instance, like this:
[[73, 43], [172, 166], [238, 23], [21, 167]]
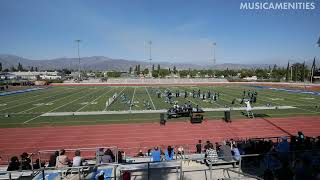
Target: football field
[[128, 104]]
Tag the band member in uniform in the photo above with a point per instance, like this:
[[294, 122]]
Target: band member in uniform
[[215, 97], [233, 101]]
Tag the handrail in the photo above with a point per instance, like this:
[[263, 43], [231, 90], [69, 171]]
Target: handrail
[[73, 149]]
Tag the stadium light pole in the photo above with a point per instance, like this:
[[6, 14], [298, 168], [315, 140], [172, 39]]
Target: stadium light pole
[[150, 57], [214, 52], [78, 44], [291, 73]]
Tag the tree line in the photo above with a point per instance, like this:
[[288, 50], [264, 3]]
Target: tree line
[[17, 68], [294, 72]]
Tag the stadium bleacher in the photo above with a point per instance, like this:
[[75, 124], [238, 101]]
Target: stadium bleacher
[[257, 156]]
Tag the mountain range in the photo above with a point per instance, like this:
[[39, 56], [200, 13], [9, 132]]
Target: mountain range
[[102, 63]]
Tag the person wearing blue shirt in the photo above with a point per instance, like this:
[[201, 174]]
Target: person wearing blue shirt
[[156, 155], [169, 153], [236, 153]]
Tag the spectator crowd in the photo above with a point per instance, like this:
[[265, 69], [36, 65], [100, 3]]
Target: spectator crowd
[[295, 157]]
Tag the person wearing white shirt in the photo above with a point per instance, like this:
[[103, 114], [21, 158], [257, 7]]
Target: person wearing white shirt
[[77, 160]]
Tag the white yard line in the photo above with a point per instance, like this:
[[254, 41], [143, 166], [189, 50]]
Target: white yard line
[[150, 98], [57, 108], [118, 95], [95, 99], [48, 102], [29, 97], [29, 102]]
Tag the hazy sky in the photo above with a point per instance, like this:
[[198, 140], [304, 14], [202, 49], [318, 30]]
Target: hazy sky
[[181, 30]]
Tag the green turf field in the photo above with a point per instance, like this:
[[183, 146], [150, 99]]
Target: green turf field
[[25, 109]]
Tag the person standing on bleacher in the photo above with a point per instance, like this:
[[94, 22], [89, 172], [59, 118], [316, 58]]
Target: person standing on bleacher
[[199, 147]]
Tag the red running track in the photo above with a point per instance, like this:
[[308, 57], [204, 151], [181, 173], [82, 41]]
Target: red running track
[[14, 141]]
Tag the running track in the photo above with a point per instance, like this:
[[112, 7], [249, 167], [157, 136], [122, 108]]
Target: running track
[[14, 141]]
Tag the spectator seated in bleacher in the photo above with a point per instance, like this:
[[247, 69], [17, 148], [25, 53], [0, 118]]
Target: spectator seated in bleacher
[[14, 164], [180, 153], [169, 153], [37, 164], [99, 154], [208, 143], [107, 157], [211, 155], [77, 159], [53, 159], [25, 161], [272, 160], [156, 155], [149, 152], [225, 152], [140, 153], [62, 160], [120, 157], [236, 153], [217, 146]]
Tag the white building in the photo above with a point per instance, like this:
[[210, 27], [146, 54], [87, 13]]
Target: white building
[[252, 78], [36, 75], [7, 76]]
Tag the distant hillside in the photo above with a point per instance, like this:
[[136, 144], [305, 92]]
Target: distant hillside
[[104, 63]]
